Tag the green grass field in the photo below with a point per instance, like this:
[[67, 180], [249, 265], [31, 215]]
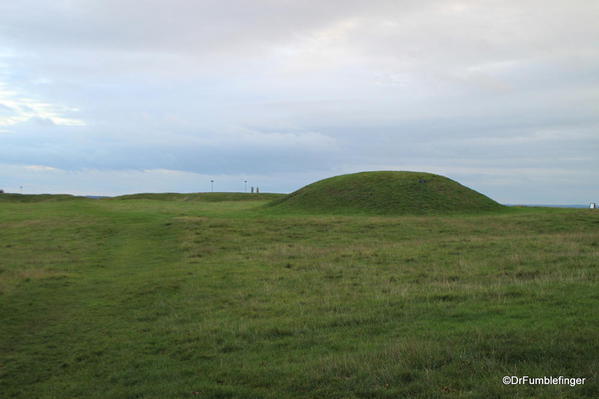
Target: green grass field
[[173, 296]]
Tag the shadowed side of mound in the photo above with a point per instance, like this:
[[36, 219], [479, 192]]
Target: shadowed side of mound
[[385, 193]]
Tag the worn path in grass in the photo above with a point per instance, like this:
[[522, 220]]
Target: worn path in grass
[[74, 273], [165, 299]]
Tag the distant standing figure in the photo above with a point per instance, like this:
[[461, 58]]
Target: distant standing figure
[[593, 205], [257, 190], [252, 190]]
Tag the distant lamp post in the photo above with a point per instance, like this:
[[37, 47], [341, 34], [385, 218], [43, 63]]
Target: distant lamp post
[[211, 186], [245, 186]]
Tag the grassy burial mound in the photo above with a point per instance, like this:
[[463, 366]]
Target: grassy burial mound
[[386, 192]]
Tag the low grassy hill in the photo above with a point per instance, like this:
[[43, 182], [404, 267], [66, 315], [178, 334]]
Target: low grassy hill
[[386, 192], [11, 197], [211, 197]]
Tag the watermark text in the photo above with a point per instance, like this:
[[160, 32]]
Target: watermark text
[[546, 380]]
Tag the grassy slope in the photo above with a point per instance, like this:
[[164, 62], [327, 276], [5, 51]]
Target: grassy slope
[[164, 299], [386, 192]]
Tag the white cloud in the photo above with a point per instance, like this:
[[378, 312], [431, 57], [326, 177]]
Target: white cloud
[[18, 109], [40, 168]]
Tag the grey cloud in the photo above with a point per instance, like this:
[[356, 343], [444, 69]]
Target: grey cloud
[[306, 88]]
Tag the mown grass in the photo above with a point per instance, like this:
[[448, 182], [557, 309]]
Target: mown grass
[[141, 298]]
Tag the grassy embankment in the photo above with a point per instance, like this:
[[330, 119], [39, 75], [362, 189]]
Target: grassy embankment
[[146, 298]]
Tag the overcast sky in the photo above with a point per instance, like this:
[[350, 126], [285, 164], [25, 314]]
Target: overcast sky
[[110, 97]]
